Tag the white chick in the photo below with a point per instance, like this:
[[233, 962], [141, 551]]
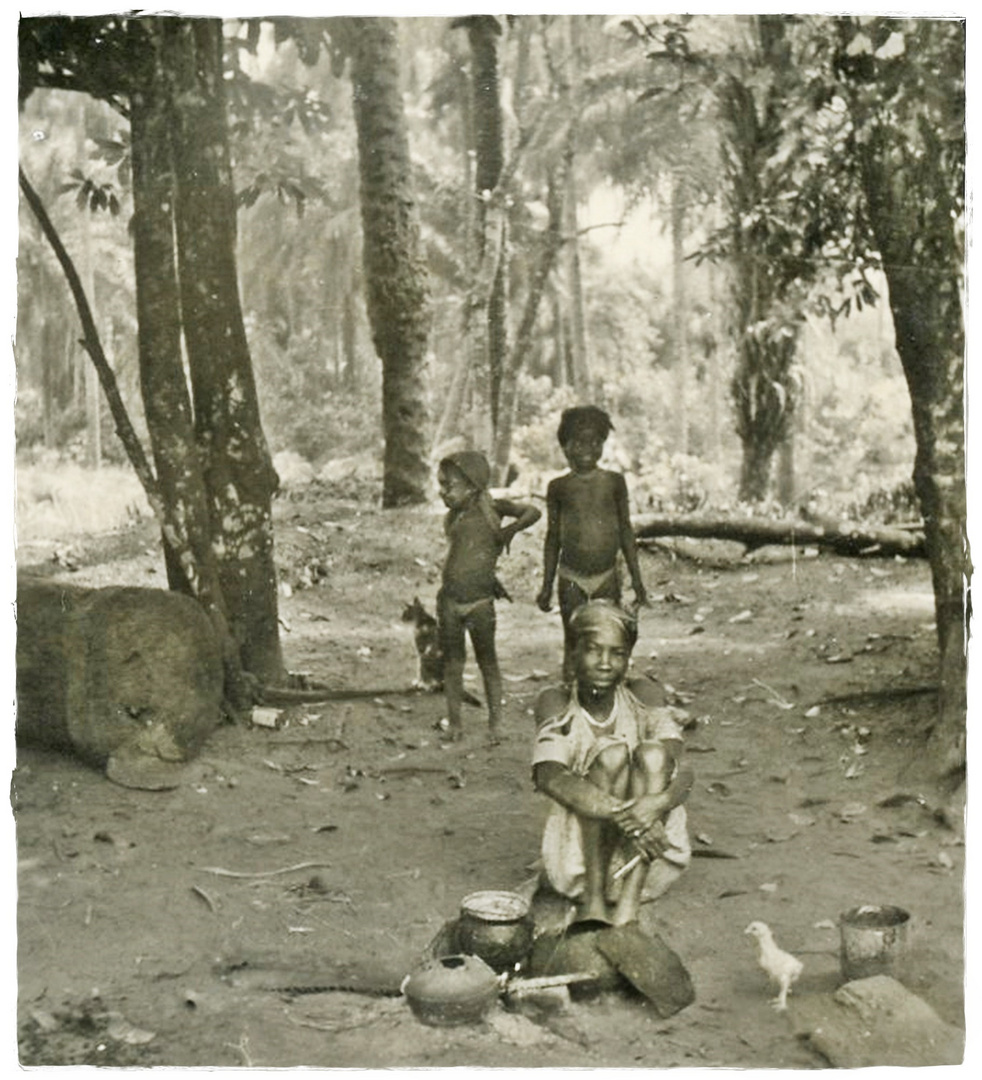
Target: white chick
[[782, 968]]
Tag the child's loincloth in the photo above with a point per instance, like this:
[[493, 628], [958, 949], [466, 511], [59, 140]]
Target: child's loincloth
[[576, 589], [459, 617]]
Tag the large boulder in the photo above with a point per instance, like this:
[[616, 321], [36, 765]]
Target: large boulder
[[128, 679]]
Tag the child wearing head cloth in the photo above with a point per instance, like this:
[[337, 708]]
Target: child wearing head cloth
[[608, 753], [465, 604]]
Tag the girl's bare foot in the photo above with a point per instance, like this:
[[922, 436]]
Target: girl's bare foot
[[494, 736], [592, 910]]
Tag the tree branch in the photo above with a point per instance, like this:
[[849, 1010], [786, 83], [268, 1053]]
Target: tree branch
[[93, 346]]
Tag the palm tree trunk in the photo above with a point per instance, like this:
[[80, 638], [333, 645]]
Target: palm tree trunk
[[395, 275]]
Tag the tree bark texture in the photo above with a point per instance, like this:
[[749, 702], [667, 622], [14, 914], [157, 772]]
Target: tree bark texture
[[765, 317], [550, 244], [192, 566], [570, 91], [907, 172], [236, 463], [930, 341], [395, 275], [484, 33], [680, 316]]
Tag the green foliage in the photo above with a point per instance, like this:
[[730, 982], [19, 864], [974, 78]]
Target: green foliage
[[91, 195], [647, 110]]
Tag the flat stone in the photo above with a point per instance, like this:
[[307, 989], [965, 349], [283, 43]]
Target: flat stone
[[876, 1022]]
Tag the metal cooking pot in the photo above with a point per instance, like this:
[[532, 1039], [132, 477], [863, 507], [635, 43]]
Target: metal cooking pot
[[497, 927]]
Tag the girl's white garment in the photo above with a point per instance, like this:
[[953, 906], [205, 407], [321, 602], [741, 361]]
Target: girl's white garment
[[575, 739]]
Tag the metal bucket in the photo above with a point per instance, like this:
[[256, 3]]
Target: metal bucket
[[873, 939]]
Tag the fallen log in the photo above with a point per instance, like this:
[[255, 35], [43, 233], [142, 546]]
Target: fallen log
[[843, 539], [129, 679]]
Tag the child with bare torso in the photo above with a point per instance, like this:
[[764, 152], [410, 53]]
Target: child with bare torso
[[589, 525], [465, 604]]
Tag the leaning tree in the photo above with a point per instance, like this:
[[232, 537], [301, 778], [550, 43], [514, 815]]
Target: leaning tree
[[214, 481]]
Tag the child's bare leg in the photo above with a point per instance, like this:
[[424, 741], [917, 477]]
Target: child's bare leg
[[453, 689], [570, 598], [482, 627], [454, 654], [610, 773]]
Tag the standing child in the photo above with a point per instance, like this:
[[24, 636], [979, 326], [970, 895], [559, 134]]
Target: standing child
[[465, 604], [589, 524]]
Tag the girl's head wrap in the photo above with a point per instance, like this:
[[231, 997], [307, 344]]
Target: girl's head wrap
[[595, 614]]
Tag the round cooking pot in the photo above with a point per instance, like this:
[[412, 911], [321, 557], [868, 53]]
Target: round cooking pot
[[497, 927], [452, 990]]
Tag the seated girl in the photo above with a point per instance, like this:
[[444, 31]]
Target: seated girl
[[608, 753]]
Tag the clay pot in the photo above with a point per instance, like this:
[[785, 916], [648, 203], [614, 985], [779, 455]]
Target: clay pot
[[497, 927], [452, 990]]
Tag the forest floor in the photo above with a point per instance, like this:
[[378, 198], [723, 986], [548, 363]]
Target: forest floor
[[166, 928]]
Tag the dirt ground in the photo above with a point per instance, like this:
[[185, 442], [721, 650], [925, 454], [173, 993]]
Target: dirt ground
[[199, 926]]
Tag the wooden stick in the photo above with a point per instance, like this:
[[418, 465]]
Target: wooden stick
[[261, 873], [628, 867]]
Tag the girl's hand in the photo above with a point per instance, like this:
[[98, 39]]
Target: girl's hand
[[625, 816], [651, 809], [653, 841], [544, 600]]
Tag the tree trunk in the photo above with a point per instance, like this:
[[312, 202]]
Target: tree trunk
[[237, 468], [930, 341], [395, 274], [680, 317], [785, 470], [483, 33], [349, 340], [755, 470], [906, 180], [550, 245], [191, 564]]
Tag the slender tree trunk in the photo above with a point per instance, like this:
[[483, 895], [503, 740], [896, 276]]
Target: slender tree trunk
[[93, 347], [349, 340], [163, 384], [238, 472], [551, 243], [395, 275], [680, 317], [574, 272], [484, 33], [93, 412]]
